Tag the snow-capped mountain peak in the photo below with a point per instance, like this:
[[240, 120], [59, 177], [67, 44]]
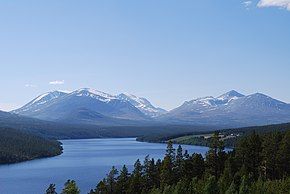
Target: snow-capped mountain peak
[[142, 104], [230, 95], [205, 101], [94, 94], [41, 100], [47, 97]]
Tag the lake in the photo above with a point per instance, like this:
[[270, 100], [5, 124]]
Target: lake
[[87, 161]]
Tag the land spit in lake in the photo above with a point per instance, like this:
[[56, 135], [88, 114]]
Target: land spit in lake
[[85, 160]]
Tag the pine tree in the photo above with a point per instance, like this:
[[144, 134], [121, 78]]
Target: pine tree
[[170, 151], [198, 166], [226, 178], [244, 187], [102, 187], [211, 186], [147, 174], [232, 189], [167, 174], [158, 169], [215, 157], [51, 189], [70, 187], [154, 176], [271, 144], [179, 163], [284, 156], [111, 180], [136, 185], [123, 181], [249, 153]]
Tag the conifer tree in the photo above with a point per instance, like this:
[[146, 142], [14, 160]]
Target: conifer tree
[[198, 166], [70, 187], [136, 185], [244, 187], [51, 189], [284, 156], [215, 157], [211, 186], [102, 187], [123, 181], [178, 169], [167, 174], [111, 180]]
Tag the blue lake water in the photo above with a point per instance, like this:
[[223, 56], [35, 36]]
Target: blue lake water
[[87, 161]]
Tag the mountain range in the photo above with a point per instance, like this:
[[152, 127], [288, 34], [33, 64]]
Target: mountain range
[[87, 106], [231, 109], [90, 107]]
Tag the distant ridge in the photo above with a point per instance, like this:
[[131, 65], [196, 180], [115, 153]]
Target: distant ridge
[[231, 109], [88, 106]]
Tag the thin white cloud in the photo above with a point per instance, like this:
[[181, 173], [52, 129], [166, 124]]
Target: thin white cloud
[[30, 86], [56, 82], [275, 3], [248, 4]]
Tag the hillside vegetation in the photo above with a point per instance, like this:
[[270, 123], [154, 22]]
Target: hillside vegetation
[[16, 146], [230, 137], [258, 164]]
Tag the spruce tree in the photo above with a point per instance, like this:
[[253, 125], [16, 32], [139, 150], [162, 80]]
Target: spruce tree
[[102, 187], [167, 174], [215, 157], [70, 187], [136, 185], [244, 187], [123, 181], [51, 189], [111, 180], [198, 166], [178, 169], [211, 186], [284, 156]]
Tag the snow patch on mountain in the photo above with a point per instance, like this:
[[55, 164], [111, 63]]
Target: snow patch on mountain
[[94, 94], [41, 100], [142, 104]]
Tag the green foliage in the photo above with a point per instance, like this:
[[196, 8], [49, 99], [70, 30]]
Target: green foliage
[[249, 154], [249, 169], [215, 157], [111, 180], [211, 186], [123, 181], [167, 173], [244, 187], [17, 146], [70, 187], [51, 189], [136, 181]]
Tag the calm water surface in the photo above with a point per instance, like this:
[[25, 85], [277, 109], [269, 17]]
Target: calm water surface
[[87, 161]]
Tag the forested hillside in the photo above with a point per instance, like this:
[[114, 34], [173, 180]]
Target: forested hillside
[[17, 146], [230, 137], [258, 164]]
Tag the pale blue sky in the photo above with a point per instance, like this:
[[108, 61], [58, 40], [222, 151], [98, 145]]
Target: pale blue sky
[[168, 51]]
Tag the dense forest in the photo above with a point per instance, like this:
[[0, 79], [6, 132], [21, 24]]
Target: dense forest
[[198, 139], [17, 146], [201, 138], [260, 163]]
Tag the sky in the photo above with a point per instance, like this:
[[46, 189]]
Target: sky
[[168, 51]]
